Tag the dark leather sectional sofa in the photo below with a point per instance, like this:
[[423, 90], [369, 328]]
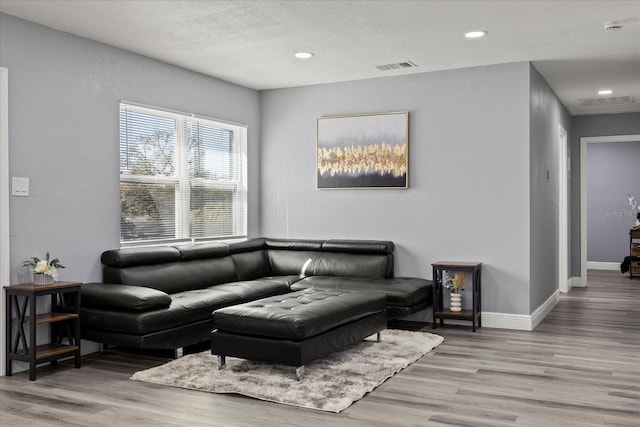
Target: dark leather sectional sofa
[[164, 297]]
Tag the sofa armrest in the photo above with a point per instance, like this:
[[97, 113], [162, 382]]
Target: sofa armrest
[[123, 297]]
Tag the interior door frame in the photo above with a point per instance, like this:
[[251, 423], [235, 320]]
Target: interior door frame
[[564, 284], [4, 205], [584, 141]]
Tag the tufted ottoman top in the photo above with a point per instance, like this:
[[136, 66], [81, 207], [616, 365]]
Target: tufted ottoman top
[[298, 315]]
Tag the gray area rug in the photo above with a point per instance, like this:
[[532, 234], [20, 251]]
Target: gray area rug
[[330, 384]]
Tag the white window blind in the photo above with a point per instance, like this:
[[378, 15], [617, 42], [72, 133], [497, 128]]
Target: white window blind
[[181, 177]]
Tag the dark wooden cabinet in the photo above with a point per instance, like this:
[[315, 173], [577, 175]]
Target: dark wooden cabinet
[[634, 253], [63, 320], [439, 311]]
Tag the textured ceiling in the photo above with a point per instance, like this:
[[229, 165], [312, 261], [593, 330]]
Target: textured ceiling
[[251, 42]]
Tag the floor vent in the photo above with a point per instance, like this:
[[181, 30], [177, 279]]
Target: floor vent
[[396, 66], [613, 100]]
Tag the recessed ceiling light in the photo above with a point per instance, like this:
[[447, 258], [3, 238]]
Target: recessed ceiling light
[[303, 55], [475, 34], [605, 92]]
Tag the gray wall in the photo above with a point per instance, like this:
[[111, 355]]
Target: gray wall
[[474, 170], [613, 172], [469, 173], [547, 113], [64, 93], [585, 126]]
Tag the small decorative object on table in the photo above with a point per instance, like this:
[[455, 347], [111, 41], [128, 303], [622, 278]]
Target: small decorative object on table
[[45, 271], [454, 285]]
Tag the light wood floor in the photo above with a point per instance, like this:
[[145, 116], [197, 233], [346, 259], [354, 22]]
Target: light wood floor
[[580, 367]]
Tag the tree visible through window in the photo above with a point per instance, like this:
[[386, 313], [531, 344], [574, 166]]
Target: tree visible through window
[[181, 177]]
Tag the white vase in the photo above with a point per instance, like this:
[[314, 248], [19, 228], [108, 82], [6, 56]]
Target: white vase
[[456, 302], [42, 279]]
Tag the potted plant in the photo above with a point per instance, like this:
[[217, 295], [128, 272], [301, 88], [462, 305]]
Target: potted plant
[[455, 285], [45, 271], [636, 208]]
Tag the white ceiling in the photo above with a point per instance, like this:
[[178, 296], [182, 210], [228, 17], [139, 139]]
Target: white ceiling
[[251, 43]]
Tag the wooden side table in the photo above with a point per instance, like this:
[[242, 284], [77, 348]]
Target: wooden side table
[[64, 321], [634, 253], [439, 312]]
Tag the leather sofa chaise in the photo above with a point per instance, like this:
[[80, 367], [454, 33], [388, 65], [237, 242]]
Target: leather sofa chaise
[[163, 297]]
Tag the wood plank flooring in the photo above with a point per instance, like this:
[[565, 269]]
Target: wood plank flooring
[[580, 367]]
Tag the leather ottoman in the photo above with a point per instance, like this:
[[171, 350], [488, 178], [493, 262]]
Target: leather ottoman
[[296, 328]]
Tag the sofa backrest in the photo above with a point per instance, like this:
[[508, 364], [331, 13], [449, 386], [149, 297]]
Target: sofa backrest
[[170, 269], [362, 258], [250, 258], [287, 257], [180, 268]]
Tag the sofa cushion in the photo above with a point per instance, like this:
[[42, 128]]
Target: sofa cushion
[[193, 251], [372, 247], [129, 257], [294, 244], [400, 291], [123, 297], [255, 289], [249, 245], [298, 315]]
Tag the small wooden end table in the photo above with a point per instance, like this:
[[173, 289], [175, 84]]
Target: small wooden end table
[[634, 252], [439, 312], [63, 318]]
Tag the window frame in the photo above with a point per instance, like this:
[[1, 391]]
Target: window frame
[[183, 182]]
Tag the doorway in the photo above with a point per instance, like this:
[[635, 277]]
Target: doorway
[[584, 141]]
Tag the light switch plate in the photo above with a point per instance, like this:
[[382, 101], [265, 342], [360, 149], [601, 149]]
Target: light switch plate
[[19, 186]]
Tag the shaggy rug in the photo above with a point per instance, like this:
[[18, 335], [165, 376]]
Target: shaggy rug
[[330, 384]]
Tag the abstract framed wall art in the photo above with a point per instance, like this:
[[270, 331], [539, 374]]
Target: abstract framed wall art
[[363, 151]]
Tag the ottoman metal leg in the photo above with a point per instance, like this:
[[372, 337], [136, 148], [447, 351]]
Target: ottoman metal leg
[[221, 362], [299, 372], [178, 352], [378, 337]]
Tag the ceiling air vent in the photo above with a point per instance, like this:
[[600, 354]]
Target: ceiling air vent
[[612, 100], [396, 66]]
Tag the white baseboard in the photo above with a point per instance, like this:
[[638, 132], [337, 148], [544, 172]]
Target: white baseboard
[[520, 322], [544, 309], [578, 282], [569, 284], [595, 265]]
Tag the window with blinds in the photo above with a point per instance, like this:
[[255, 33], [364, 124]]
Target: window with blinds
[[181, 177]]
